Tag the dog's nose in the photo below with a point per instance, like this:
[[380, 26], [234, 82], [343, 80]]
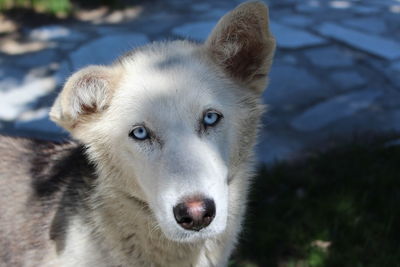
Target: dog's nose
[[195, 213]]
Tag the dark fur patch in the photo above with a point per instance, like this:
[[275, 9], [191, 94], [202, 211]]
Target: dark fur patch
[[62, 172], [170, 62], [42, 185], [56, 166]]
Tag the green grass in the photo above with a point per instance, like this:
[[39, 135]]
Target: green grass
[[59, 7], [55, 7], [338, 208]]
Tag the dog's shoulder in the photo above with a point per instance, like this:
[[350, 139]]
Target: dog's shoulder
[[41, 184], [45, 166]]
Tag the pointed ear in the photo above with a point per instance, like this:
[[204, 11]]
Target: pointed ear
[[243, 46], [86, 94]]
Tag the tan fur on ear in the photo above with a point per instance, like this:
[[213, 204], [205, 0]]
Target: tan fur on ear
[[85, 94], [242, 44]]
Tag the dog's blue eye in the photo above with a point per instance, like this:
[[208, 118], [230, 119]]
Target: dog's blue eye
[[211, 118], [139, 133]]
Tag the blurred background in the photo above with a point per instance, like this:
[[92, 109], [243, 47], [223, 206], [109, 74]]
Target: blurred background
[[328, 183]]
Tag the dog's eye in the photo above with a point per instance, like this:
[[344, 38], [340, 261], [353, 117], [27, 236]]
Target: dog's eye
[[139, 133], [211, 118]]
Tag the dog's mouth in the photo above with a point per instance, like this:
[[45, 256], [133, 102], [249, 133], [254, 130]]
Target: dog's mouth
[[190, 236]]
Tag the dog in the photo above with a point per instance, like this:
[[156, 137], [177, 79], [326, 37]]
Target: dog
[[161, 162]]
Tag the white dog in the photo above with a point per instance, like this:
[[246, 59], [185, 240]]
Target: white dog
[[160, 170]]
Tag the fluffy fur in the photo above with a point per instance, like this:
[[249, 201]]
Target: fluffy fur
[[107, 199]]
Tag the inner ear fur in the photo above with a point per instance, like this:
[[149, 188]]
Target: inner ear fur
[[86, 93], [242, 44]]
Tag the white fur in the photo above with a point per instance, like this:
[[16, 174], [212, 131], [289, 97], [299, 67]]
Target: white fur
[[167, 87]]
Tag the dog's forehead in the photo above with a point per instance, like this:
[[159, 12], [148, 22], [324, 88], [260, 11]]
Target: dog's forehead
[[158, 82], [162, 57]]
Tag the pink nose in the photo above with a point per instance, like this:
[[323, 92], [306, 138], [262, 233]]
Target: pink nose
[[195, 213]]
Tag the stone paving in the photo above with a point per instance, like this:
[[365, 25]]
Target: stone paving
[[336, 70]]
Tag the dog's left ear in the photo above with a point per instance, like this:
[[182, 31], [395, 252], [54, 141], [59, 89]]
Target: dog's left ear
[[86, 94], [243, 46]]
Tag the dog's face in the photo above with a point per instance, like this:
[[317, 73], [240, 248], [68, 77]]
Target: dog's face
[[172, 118], [174, 129]]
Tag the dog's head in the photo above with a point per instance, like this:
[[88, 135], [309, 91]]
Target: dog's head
[[169, 123]]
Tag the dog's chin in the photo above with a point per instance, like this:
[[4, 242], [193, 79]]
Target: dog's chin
[[185, 236], [177, 234]]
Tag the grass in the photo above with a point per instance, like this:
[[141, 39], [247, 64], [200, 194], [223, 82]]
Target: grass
[[337, 208], [60, 8], [55, 7]]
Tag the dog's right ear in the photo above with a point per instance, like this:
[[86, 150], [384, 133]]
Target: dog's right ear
[[86, 94], [242, 44]]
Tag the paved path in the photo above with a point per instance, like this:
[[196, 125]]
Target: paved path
[[336, 70]]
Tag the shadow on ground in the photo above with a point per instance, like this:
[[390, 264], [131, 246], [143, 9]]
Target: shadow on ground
[[336, 208]]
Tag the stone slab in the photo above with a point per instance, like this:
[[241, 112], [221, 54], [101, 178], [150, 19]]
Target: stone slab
[[289, 59], [346, 80], [63, 72], [376, 45], [157, 26], [107, 30], [369, 120], [291, 87], [396, 120], [100, 51], [310, 7], [10, 77], [24, 97], [274, 147], [106, 49], [396, 66], [292, 38], [373, 25], [297, 20], [329, 57], [323, 114], [200, 7], [365, 10], [390, 100], [339, 4], [38, 121], [393, 75], [8, 83], [198, 31], [56, 32], [215, 14], [41, 58]]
